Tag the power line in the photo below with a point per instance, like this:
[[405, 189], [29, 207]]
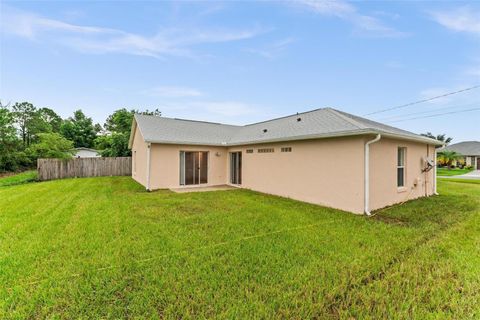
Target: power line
[[392, 118], [436, 115], [423, 100]]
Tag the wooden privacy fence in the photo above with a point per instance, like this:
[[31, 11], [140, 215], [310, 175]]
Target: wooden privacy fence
[[50, 169]]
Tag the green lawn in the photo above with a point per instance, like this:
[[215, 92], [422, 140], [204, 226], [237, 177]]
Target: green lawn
[[104, 248], [452, 172], [24, 177]]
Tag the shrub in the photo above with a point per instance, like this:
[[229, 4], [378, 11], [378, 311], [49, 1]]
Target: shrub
[[51, 145]]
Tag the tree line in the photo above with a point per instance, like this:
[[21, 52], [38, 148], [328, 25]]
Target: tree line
[[28, 133]]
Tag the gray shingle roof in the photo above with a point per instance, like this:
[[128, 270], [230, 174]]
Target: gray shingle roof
[[466, 148], [319, 123]]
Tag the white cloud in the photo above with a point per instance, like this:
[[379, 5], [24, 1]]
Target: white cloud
[[463, 19], [272, 50], [336, 8], [92, 39], [173, 92], [364, 24]]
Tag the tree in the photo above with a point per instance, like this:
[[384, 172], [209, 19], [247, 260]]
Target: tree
[[80, 129], [24, 114], [439, 137], [11, 157], [118, 125], [51, 145], [113, 145], [32, 121], [119, 121], [50, 117], [447, 157]]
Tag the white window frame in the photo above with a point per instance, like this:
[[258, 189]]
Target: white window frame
[[182, 169], [402, 165]]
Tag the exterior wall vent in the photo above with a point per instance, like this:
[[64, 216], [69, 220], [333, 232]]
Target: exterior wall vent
[[266, 150]]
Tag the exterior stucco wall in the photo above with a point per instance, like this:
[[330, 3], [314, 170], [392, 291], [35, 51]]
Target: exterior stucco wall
[[383, 172], [471, 161], [328, 172], [165, 165], [139, 158]]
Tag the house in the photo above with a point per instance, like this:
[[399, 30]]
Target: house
[[323, 156], [470, 150], [86, 153]]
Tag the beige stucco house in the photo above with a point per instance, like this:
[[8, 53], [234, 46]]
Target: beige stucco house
[[324, 156], [470, 151]]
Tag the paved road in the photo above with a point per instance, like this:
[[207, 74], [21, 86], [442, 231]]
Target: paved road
[[475, 174]]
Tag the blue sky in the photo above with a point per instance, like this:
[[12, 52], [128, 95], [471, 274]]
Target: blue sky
[[241, 62]]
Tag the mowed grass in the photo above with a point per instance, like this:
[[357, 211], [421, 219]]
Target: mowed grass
[[452, 172], [105, 248]]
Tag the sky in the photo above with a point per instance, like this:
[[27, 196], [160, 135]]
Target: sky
[[243, 62]]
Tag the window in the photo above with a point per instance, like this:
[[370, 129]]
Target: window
[[249, 150], [265, 150], [287, 149], [401, 167]]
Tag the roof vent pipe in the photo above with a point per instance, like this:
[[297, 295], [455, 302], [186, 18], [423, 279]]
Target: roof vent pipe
[[265, 130], [367, 174], [299, 119]]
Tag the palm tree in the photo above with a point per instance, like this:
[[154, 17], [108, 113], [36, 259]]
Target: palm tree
[[439, 137], [447, 157]]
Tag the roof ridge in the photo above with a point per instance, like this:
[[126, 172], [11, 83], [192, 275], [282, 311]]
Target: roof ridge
[[468, 141], [348, 119], [283, 117], [201, 121]]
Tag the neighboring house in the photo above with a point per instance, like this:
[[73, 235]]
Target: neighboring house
[[86, 153], [470, 150], [317, 156]]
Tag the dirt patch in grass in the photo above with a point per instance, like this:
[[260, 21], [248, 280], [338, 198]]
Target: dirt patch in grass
[[388, 219]]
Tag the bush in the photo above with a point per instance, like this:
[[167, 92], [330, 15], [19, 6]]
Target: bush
[[14, 161], [50, 145]]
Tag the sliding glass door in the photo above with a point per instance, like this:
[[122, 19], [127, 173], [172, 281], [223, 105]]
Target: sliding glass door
[[236, 168], [193, 167]]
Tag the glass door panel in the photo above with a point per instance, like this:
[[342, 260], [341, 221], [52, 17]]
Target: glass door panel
[[193, 167], [203, 174], [236, 168], [189, 168]]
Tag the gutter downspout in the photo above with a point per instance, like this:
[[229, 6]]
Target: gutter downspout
[[148, 165], [367, 174], [435, 173]]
